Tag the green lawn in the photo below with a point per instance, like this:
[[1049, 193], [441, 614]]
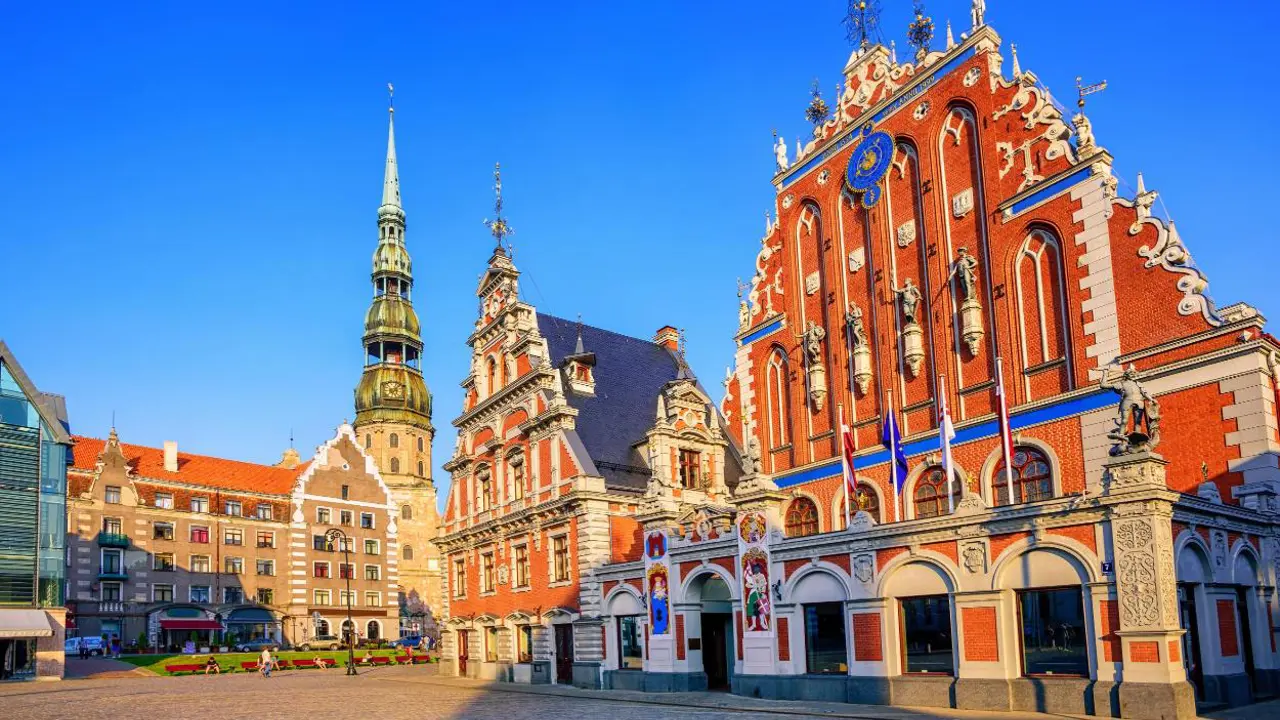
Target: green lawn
[[231, 661]]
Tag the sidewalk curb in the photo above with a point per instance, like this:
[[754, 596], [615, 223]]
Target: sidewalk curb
[[881, 712]]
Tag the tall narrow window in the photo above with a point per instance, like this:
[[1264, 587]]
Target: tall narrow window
[[778, 390], [802, 518], [1032, 479], [406, 512], [522, 566], [395, 465], [1041, 303], [491, 377], [486, 572], [630, 647], [394, 440], [926, 635], [560, 559], [930, 495], [524, 643]]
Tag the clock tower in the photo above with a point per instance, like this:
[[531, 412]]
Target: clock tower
[[393, 405]]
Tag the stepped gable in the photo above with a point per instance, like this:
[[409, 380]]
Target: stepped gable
[[630, 375]]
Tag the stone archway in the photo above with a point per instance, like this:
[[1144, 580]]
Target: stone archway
[[709, 623]]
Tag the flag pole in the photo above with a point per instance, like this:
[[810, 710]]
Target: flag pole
[[944, 431], [1006, 439], [844, 468], [893, 457]]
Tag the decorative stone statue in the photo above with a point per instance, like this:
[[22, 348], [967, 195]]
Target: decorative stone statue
[[909, 295], [1137, 417], [780, 154], [813, 337], [857, 332], [1085, 143], [977, 12], [751, 458], [966, 271], [744, 312]]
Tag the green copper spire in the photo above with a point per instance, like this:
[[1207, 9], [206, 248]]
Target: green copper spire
[[391, 388]]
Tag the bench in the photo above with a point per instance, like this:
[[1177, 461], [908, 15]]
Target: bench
[[188, 668], [312, 663], [404, 659], [251, 665]]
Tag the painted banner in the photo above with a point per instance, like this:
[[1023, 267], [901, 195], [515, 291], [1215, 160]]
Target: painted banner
[[657, 575], [753, 566]]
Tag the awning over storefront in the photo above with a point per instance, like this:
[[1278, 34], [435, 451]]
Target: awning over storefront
[[170, 624], [253, 616], [24, 623]]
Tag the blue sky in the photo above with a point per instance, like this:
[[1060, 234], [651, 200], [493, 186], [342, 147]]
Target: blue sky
[[188, 191]]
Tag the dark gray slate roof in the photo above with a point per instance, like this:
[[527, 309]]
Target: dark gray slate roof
[[629, 374]]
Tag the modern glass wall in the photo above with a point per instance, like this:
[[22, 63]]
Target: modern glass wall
[[19, 493]]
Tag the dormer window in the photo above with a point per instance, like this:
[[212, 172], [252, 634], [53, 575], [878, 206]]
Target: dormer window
[[579, 370], [691, 469]]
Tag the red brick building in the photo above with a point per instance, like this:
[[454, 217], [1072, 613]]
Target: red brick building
[[1117, 562]]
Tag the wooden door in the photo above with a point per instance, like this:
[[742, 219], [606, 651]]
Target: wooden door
[[564, 654], [464, 651]]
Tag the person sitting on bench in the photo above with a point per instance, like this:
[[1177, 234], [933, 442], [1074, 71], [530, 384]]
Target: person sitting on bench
[[211, 666]]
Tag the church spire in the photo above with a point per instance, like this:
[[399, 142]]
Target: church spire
[[391, 177]]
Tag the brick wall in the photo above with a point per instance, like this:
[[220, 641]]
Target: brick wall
[[784, 640], [1109, 619], [1144, 652], [679, 636], [625, 539], [1227, 628], [867, 642], [981, 639]]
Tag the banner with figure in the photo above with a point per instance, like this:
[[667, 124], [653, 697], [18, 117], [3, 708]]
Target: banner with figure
[[753, 566], [657, 574]]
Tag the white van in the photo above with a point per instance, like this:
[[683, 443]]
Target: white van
[[93, 644]]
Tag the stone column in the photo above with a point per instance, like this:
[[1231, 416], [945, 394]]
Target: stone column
[[50, 658], [874, 641], [1155, 683], [986, 641]]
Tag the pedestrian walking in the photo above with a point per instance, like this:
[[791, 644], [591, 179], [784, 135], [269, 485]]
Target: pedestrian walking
[[264, 662]]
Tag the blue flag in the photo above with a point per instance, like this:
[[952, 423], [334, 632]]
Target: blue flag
[[893, 440]]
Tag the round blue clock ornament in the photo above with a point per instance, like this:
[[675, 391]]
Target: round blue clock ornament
[[868, 165]]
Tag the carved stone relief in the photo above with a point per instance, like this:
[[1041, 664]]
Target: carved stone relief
[[857, 260], [906, 233], [864, 568], [811, 283], [921, 110], [962, 203], [823, 177], [974, 557], [972, 77], [1136, 574]]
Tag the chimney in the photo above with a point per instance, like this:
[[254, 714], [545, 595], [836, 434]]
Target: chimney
[[668, 337], [170, 456]]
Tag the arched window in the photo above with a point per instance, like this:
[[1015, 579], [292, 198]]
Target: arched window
[[491, 375], [322, 627], [395, 465], [802, 518], [865, 498], [930, 494], [373, 630], [420, 473], [407, 552], [1032, 478], [420, 445], [394, 440], [778, 390], [406, 512], [368, 441]]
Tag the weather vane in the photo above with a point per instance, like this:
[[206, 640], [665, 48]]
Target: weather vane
[[1088, 90], [920, 31], [862, 20], [498, 226], [817, 112], [391, 97]]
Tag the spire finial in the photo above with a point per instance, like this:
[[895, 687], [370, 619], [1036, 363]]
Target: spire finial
[[951, 40], [391, 177], [498, 226], [391, 98], [1083, 90], [920, 31], [1017, 69], [861, 21], [578, 348]]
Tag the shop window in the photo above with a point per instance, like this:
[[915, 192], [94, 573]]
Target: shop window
[[1053, 632], [630, 644], [824, 639], [524, 643], [930, 494], [926, 635], [491, 644], [1032, 479], [802, 518]]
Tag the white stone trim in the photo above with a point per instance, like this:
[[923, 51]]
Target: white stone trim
[[1099, 279]]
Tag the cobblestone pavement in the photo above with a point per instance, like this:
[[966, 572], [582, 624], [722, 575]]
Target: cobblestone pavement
[[408, 692], [101, 667]]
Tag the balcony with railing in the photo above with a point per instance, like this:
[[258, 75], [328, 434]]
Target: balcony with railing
[[113, 539], [113, 573], [110, 606]]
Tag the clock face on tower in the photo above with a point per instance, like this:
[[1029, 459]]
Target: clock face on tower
[[393, 390]]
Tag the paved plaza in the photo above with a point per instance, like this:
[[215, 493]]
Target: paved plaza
[[103, 691]]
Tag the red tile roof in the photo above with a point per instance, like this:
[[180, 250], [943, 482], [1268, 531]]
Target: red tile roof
[[192, 469]]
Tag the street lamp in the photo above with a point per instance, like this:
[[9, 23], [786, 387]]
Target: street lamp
[[337, 535]]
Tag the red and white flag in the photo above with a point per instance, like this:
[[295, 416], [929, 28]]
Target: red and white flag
[[946, 433], [846, 468], [1006, 434]]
